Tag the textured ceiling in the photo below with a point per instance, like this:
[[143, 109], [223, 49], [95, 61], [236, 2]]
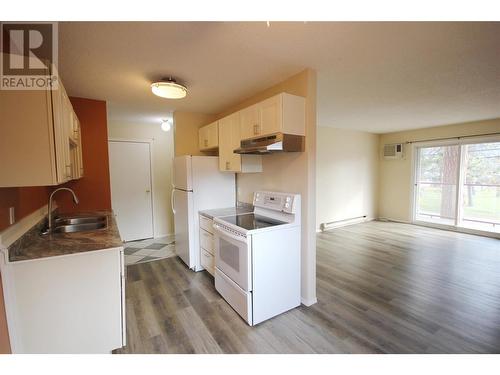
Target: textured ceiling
[[375, 76]]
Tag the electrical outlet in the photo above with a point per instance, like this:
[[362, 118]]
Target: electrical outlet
[[12, 215]]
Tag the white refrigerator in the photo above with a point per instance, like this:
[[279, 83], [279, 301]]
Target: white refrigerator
[[197, 185]]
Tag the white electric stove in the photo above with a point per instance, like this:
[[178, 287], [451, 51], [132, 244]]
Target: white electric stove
[[257, 257]]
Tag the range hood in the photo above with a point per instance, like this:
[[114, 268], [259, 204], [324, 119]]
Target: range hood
[[278, 142]]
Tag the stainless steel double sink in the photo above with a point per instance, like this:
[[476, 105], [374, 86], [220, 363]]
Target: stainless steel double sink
[[78, 224]]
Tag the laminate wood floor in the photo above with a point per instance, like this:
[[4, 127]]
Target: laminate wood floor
[[381, 287]]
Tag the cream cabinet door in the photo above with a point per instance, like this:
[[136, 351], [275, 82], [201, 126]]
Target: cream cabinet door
[[67, 133], [250, 122], [79, 152], [271, 115], [203, 138], [76, 152], [213, 135], [208, 136], [229, 139], [60, 141], [67, 109], [73, 127]]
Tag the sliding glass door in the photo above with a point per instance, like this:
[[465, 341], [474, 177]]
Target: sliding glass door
[[480, 200], [437, 184], [458, 185]]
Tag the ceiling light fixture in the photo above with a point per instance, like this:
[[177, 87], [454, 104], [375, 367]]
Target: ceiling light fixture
[[169, 88], [165, 125]]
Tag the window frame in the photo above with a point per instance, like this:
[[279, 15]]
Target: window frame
[[416, 149]]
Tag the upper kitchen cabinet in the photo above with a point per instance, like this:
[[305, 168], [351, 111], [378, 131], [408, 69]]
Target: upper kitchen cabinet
[[229, 140], [282, 113], [40, 146], [250, 122], [209, 136]]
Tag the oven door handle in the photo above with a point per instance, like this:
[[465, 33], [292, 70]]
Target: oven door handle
[[222, 232]]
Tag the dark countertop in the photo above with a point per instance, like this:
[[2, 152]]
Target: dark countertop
[[228, 211], [33, 245]]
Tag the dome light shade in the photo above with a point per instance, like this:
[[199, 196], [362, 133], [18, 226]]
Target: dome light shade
[[169, 89]]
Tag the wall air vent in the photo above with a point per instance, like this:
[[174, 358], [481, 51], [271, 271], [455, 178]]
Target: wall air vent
[[393, 151]]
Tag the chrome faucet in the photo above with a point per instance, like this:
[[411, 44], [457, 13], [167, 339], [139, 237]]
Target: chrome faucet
[[75, 199]]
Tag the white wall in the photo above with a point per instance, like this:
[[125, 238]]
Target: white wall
[[347, 175], [163, 153], [395, 190]]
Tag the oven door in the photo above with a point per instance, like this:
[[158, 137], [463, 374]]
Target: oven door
[[233, 256]]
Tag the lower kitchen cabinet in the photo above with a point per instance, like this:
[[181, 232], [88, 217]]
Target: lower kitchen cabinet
[[207, 255], [66, 304], [208, 261]]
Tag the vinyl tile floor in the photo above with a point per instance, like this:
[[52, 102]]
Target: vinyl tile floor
[[149, 250]]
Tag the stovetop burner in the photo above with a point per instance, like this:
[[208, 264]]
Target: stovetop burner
[[252, 221]]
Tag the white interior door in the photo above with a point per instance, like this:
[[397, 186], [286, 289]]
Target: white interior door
[[131, 192]]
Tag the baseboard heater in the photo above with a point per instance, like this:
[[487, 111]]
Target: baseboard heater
[[338, 223]]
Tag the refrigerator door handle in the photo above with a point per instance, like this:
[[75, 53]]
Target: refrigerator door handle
[[172, 200], [172, 174]]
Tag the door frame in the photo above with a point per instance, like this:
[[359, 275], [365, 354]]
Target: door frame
[[150, 142], [415, 154]]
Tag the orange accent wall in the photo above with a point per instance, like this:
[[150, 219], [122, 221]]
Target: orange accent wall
[[93, 190], [25, 200]]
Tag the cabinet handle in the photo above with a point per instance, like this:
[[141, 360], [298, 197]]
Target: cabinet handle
[[228, 164], [256, 129], [206, 142]]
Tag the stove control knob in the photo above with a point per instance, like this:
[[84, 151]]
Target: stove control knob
[[287, 205]]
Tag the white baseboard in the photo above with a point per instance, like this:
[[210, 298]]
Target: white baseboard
[[348, 222], [394, 220], [309, 302], [450, 228], [163, 235], [475, 232]]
